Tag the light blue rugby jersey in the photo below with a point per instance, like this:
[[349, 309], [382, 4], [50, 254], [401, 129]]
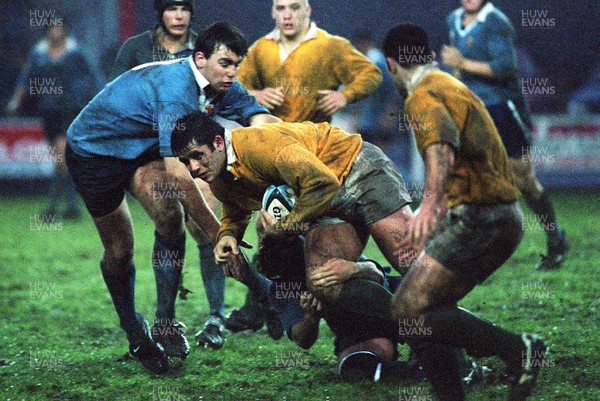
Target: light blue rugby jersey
[[137, 111], [491, 39]]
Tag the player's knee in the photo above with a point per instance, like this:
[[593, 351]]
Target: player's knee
[[169, 221], [117, 261], [197, 233], [407, 305]]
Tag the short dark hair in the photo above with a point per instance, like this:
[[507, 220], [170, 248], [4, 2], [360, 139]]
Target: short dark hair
[[196, 128], [221, 33], [408, 44], [281, 258]]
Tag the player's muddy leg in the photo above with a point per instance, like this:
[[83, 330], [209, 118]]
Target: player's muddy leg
[[539, 201], [425, 306], [213, 277], [118, 271], [389, 234], [159, 193]]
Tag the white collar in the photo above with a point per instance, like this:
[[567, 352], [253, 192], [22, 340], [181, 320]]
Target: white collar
[[420, 72], [275, 34], [231, 157], [481, 17], [200, 80]]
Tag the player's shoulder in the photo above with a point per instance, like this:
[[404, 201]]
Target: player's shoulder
[[143, 39], [498, 20], [331, 39], [454, 15]]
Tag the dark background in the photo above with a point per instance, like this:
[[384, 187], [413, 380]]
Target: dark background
[[564, 54]]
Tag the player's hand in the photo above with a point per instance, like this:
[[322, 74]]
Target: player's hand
[[331, 101], [271, 226], [226, 246], [452, 57], [423, 224], [271, 98], [236, 267], [334, 272], [311, 305]]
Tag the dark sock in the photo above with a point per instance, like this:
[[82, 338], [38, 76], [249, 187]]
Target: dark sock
[[366, 298], [122, 291], [252, 303], [213, 279], [55, 193], [440, 364], [71, 195], [459, 328], [167, 261], [544, 211]]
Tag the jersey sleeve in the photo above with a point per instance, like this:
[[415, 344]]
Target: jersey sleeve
[[125, 59], [288, 309], [239, 105], [501, 50], [248, 72], [359, 75], [314, 183], [431, 122]]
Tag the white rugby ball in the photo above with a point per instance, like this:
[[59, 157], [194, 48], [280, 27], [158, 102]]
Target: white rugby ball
[[279, 201]]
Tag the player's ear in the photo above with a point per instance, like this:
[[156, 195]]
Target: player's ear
[[219, 143], [199, 60]]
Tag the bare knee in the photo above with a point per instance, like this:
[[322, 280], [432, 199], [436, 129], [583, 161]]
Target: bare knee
[[410, 304], [169, 220], [117, 259]]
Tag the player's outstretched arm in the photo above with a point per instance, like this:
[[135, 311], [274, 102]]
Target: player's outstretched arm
[[306, 332], [193, 202], [337, 271]]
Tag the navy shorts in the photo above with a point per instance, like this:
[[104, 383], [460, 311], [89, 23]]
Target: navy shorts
[[101, 180], [513, 126]]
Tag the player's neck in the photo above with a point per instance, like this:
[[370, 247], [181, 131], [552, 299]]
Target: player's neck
[[170, 42], [292, 42]]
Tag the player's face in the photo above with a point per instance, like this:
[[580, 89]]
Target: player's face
[[291, 16], [472, 6], [220, 69], [177, 20], [56, 34], [204, 163]]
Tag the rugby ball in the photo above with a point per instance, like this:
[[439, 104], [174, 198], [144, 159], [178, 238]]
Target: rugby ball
[[279, 201]]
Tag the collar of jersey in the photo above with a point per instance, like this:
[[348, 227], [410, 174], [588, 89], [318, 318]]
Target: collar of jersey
[[200, 80], [231, 157], [481, 17], [420, 72]]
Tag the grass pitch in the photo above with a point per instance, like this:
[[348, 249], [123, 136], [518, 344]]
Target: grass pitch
[[60, 340]]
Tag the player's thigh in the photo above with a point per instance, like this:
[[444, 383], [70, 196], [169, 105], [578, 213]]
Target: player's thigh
[[159, 195], [426, 286], [329, 241], [390, 235], [116, 233]]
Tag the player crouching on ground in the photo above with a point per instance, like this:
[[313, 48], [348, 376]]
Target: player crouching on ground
[[365, 346]]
